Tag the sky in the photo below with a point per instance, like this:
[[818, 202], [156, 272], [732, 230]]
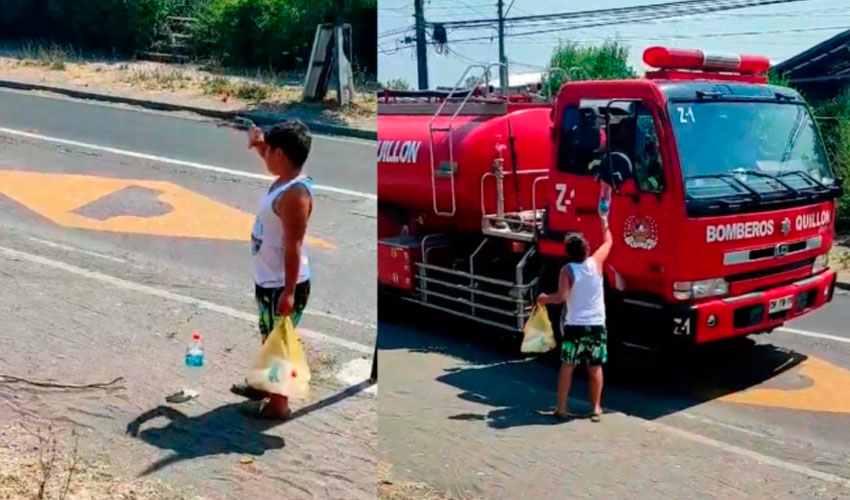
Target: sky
[[776, 31]]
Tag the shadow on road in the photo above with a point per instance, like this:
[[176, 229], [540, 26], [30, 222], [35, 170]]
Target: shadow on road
[[521, 389], [220, 431]]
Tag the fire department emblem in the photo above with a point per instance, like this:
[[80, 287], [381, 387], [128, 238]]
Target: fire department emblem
[[785, 227], [640, 232]]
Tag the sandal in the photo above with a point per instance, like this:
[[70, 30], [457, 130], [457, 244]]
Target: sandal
[[596, 417], [563, 416], [261, 410], [246, 391]]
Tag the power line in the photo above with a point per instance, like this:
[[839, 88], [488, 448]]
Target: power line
[[680, 8], [648, 17]]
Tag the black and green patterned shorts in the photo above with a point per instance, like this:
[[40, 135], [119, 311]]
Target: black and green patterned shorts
[[585, 345], [267, 299]]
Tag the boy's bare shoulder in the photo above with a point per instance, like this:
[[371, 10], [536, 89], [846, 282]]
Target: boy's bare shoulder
[[295, 198]]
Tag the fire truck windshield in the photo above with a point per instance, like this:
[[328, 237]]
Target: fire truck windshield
[[748, 149]]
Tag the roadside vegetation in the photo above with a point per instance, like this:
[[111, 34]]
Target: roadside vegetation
[[251, 52], [610, 61], [272, 34], [38, 463]]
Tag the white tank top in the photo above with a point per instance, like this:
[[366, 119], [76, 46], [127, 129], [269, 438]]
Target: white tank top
[[586, 302], [267, 241]]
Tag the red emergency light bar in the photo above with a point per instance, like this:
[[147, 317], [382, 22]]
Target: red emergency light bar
[[687, 59]]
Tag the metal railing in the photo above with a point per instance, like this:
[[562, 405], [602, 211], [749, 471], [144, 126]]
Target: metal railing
[[474, 296]]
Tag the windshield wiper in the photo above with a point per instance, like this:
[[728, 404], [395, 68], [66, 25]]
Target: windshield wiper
[[806, 176], [756, 173], [731, 180]]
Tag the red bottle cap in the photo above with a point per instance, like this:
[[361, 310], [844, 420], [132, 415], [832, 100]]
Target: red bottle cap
[[196, 336]]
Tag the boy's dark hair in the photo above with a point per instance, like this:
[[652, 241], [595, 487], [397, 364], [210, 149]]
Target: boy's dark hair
[[577, 248], [293, 138]]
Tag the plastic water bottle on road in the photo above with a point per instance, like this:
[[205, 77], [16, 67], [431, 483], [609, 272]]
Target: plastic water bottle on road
[[194, 364]]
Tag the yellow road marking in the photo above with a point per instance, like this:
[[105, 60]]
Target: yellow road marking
[[56, 196], [828, 390]]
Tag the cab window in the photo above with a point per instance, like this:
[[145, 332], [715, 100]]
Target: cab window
[[649, 173], [635, 136], [579, 141]]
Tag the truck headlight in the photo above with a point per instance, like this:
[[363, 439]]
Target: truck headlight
[[821, 261], [683, 290]]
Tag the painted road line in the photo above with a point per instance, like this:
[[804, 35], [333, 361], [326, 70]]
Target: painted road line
[[729, 448], [182, 163], [745, 452], [816, 335], [60, 246], [356, 372], [710, 421], [165, 294]]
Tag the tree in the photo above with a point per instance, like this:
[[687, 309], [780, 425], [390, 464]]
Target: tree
[[834, 123], [608, 61]]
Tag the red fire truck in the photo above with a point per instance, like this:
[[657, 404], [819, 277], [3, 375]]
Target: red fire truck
[[722, 212]]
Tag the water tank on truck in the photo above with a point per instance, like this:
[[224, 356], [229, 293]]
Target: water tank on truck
[[449, 163]]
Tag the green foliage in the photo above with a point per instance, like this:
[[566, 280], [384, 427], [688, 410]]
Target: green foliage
[[398, 84], [119, 26], [601, 62], [778, 79], [269, 33], [265, 33], [253, 92], [834, 123]]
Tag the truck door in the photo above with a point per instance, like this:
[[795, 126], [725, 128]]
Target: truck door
[[642, 212]]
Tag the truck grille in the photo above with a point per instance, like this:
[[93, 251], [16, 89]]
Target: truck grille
[[748, 316], [761, 273]]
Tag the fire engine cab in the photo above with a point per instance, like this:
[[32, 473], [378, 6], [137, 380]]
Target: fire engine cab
[[722, 213]]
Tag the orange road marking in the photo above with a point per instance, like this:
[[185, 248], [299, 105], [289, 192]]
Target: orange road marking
[[56, 196], [826, 390]]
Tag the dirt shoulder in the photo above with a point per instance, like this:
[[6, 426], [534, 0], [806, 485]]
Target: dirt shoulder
[[65, 328], [42, 463], [390, 488], [189, 85]]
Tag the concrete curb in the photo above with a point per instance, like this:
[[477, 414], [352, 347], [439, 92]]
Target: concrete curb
[[258, 118], [843, 285]]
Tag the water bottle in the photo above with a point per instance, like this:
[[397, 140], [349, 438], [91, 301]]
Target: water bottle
[[194, 363], [604, 199]]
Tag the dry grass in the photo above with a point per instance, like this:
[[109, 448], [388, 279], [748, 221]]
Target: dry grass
[[391, 489], [157, 78], [205, 84], [36, 464], [839, 258]]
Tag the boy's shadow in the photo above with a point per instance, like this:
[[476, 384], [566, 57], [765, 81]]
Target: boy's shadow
[[220, 431]]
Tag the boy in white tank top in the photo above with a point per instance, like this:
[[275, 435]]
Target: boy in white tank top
[[581, 287], [281, 266]]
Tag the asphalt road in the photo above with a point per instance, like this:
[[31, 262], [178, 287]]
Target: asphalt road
[[114, 238], [779, 398], [339, 162]]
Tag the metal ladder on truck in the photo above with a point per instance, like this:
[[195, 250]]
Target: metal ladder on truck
[[447, 170]]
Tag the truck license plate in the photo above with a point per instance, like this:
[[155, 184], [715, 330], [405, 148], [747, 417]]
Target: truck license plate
[[781, 304]]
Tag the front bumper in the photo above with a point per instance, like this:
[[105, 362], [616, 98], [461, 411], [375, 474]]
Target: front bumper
[[749, 313]]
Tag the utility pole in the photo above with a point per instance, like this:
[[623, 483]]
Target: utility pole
[[421, 45], [503, 69]]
